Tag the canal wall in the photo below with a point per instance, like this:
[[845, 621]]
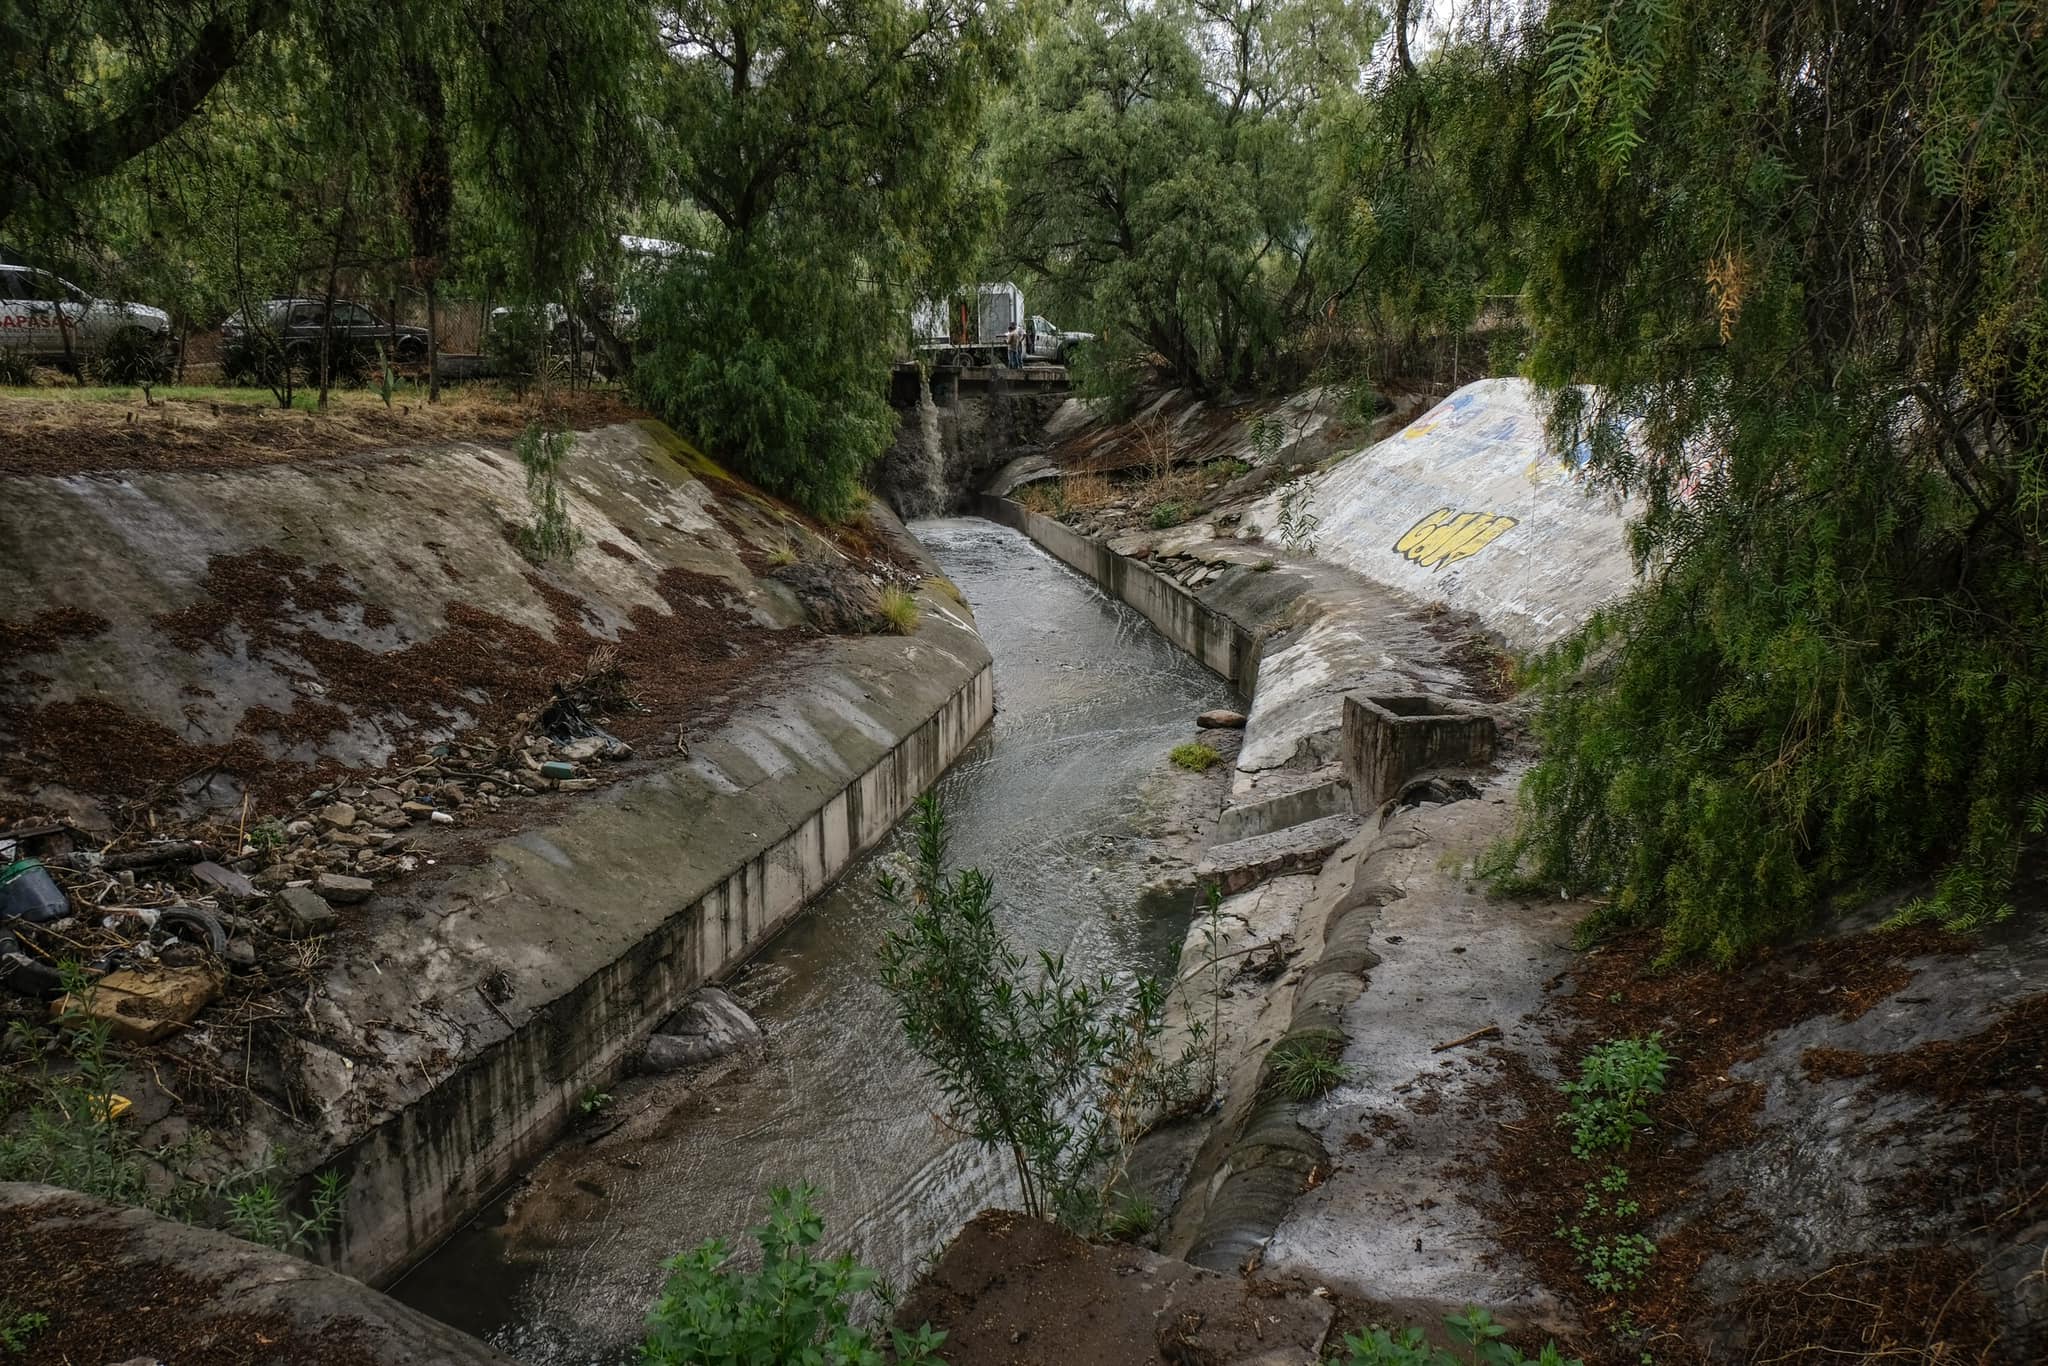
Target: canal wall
[[594, 928]]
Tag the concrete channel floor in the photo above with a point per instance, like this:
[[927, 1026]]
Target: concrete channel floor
[[1396, 1221]]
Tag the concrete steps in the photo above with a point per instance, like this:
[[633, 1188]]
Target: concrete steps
[[1243, 864]]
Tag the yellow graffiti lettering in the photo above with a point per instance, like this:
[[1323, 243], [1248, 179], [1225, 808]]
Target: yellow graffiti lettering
[[1445, 537], [1420, 430]]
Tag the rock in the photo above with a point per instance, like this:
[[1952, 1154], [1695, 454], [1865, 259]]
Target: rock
[[385, 796], [417, 809], [225, 882], [142, 1005], [305, 913], [576, 785], [596, 747], [837, 600], [340, 815], [1221, 719], [298, 828], [241, 955], [710, 1025], [342, 889], [448, 794]]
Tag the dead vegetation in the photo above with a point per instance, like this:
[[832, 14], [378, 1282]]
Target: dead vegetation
[[57, 432]]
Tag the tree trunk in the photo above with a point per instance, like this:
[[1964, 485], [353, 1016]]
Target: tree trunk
[[433, 343]]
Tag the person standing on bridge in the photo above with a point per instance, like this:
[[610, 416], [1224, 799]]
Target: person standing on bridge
[[1015, 339]]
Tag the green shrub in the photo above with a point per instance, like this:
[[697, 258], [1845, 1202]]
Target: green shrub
[[19, 1327], [132, 356], [16, 367], [515, 345], [1474, 1329], [1168, 515], [1194, 756], [796, 1308], [1609, 1101], [1058, 1073], [551, 535]]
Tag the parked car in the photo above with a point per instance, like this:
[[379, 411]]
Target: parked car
[[49, 319], [293, 328]]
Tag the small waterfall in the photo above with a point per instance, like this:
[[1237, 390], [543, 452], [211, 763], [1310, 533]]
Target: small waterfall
[[933, 445]]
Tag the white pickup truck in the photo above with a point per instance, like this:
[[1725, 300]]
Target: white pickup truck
[[974, 331], [47, 318]]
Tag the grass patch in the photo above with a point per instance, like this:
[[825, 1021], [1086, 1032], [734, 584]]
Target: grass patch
[[1306, 1067], [1079, 492], [1134, 1219], [782, 555], [1168, 514], [1041, 496], [899, 609], [1194, 756]]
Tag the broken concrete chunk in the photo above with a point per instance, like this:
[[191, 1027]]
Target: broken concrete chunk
[[142, 1005], [305, 913], [342, 889], [1221, 719], [340, 815], [417, 809], [225, 882]]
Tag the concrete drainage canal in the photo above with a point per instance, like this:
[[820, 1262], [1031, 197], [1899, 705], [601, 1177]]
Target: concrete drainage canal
[[1068, 801]]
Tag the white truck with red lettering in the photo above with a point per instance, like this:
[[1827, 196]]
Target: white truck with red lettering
[[47, 318]]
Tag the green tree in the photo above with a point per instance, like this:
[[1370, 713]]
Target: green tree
[[822, 156], [1155, 162], [1801, 253]]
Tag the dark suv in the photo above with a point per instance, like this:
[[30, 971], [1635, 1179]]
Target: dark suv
[[293, 327]]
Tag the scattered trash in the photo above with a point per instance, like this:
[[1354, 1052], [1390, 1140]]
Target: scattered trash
[[28, 892], [556, 770], [23, 975], [143, 1005], [212, 934]]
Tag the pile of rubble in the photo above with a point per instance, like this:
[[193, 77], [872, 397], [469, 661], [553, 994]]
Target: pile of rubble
[[160, 924]]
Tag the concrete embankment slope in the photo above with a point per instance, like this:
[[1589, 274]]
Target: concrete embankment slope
[[346, 647], [1468, 506]]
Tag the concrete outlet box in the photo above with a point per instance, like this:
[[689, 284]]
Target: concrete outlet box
[[1388, 740]]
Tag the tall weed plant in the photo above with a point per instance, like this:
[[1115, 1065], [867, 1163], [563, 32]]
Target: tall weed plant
[[1059, 1072]]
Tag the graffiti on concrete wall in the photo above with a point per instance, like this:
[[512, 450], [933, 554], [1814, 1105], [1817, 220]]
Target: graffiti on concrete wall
[[1447, 536]]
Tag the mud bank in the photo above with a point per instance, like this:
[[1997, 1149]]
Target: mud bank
[[115, 1283]]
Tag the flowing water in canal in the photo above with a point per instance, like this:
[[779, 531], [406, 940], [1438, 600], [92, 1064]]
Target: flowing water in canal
[[1060, 801]]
